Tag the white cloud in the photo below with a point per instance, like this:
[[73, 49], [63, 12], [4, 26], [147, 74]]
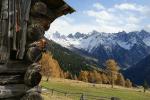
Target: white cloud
[[98, 6], [114, 20], [133, 20], [125, 16], [132, 7], [103, 15], [66, 27], [147, 28], [126, 6]]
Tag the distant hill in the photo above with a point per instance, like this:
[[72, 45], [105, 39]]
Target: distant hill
[[139, 72], [70, 61]]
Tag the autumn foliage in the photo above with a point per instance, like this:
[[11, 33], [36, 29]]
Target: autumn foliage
[[51, 68], [120, 80], [92, 77], [112, 70], [110, 76], [128, 83], [83, 76]]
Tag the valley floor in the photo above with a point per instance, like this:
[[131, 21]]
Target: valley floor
[[63, 89]]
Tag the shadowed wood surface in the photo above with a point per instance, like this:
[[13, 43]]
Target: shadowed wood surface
[[12, 90], [19, 68], [33, 77], [52, 4], [11, 79], [32, 96], [14, 67]]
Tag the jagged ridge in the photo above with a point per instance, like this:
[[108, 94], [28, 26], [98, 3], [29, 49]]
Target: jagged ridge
[[126, 48]]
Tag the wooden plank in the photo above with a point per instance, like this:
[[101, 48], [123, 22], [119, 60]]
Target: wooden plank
[[11, 79], [53, 4], [13, 67], [33, 76], [32, 96], [25, 10], [4, 42], [10, 91]]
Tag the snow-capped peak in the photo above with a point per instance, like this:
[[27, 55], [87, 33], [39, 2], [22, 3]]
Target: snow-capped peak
[[93, 40]]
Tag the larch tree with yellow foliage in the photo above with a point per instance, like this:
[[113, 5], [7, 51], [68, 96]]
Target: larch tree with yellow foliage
[[112, 70], [50, 66], [128, 83], [97, 75], [120, 80], [83, 76]]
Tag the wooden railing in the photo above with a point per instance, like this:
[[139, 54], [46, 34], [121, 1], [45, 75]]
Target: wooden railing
[[75, 96]]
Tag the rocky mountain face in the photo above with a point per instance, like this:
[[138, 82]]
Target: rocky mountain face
[[139, 72], [126, 48]]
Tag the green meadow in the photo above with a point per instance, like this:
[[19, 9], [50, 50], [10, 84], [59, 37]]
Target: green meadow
[[97, 90]]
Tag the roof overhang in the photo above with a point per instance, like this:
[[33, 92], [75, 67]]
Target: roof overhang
[[59, 7]]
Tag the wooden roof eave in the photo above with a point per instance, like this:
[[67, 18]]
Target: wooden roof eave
[[58, 8]]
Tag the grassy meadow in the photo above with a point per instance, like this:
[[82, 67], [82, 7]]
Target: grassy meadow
[[72, 86]]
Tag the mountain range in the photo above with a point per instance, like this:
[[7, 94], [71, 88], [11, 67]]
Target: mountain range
[[126, 48]]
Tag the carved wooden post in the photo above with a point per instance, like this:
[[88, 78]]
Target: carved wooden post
[[22, 27]]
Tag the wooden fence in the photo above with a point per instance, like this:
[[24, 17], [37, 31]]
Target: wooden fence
[[76, 96]]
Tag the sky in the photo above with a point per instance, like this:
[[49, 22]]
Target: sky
[[109, 16]]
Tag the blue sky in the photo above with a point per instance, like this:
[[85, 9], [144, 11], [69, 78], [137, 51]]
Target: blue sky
[[104, 16]]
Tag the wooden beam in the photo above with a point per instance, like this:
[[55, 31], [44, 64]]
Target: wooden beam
[[33, 76], [63, 10], [10, 91], [13, 67], [11, 79]]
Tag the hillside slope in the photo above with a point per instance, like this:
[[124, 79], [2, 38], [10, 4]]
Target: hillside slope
[[70, 61], [140, 71]]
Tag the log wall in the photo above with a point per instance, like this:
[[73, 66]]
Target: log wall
[[22, 28]]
